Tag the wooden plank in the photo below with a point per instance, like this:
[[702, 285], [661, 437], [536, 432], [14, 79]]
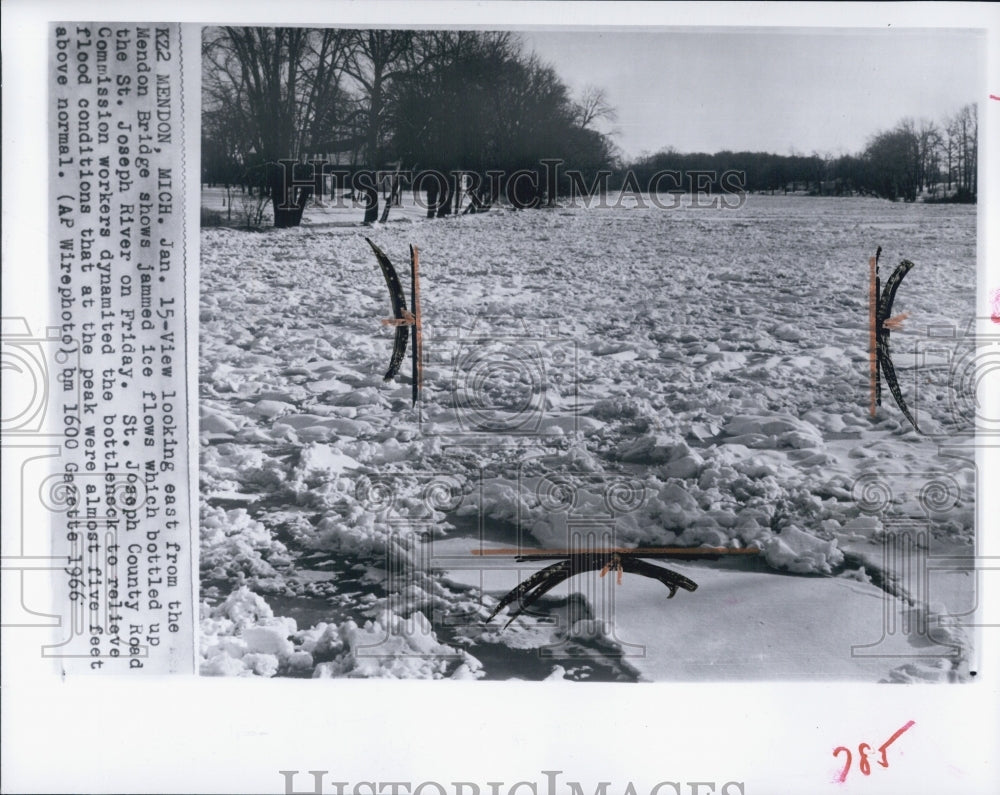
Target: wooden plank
[[418, 341], [872, 336], [648, 552]]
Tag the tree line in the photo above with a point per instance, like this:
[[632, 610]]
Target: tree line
[[286, 108], [937, 160], [472, 106]]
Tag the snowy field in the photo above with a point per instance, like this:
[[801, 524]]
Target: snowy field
[[627, 377]]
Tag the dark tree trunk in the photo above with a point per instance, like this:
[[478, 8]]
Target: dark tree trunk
[[444, 204], [371, 149], [318, 180], [371, 204], [392, 199], [292, 204], [432, 199], [452, 196], [288, 196]]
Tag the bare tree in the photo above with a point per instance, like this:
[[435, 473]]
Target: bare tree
[[961, 145], [928, 144], [892, 159], [593, 106], [968, 125], [377, 59], [281, 86], [928, 147]]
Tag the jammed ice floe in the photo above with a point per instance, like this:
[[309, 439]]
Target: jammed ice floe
[[676, 378]]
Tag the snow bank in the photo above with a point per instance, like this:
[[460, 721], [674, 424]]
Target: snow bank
[[800, 552], [243, 637]]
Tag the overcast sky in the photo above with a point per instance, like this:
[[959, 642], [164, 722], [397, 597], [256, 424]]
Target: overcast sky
[[769, 90]]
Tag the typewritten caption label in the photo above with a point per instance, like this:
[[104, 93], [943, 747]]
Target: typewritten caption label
[[117, 255]]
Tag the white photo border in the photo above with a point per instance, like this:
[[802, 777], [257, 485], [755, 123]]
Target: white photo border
[[191, 734]]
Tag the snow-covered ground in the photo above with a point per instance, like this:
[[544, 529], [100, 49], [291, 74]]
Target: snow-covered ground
[[629, 377]]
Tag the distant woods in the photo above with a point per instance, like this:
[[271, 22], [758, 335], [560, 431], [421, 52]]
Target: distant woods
[[477, 118], [463, 103], [934, 161]]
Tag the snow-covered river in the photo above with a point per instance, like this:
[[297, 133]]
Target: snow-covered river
[[627, 377]]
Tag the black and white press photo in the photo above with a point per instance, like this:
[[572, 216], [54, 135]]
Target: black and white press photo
[[611, 385], [588, 355]]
